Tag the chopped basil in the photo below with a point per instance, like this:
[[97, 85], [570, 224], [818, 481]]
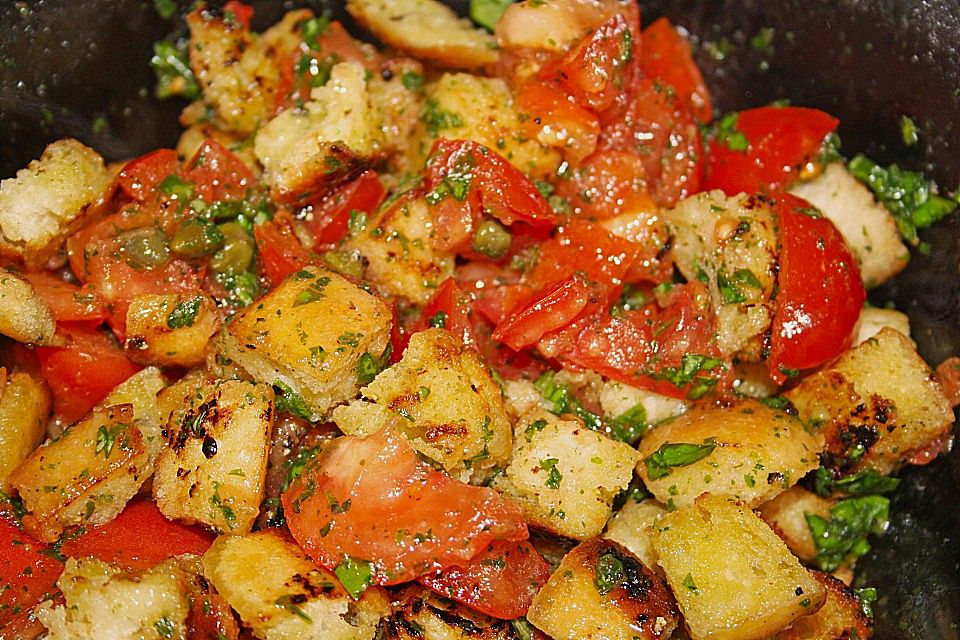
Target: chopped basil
[[172, 68], [844, 535], [369, 366], [313, 293], [107, 438], [690, 584], [609, 573], [438, 320], [563, 402], [690, 365], [437, 119], [296, 465], [909, 131], [164, 627], [676, 454], [726, 132], [184, 314], [732, 285], [553, 474], [486, 12], [355, 575], [522, 629], [867, 596], [312, 29], [242, 287], [866, 482], [290, 401], [630, 425], [908, 195]]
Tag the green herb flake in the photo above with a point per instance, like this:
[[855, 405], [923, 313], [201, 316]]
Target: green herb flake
[[689, 584], [312, 29], [553, 474], [184, 314], [726, 132], [867, 482], [909, 131], [610, 573], [563, 402], [412, 81], [732, 285], [164, 627], [438, 119], [676, 454], [172, 69], [107, 438], [355, 575], [290, 401], [867, 596], [844, 535], [486, 13], [438, 320], [292, 604], [522, 629], [369, 366]]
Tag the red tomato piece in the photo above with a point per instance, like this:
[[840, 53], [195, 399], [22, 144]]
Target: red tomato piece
[[140, 177], [665, 57], [450, 309], [138, 538], [555, 309], [466, 171], [777, 141], [67, 301], [607, 184], [27, 575], [331, 218], [557, 120], [656, 124], [500, 581], [82, 373], [280, 252], [242, 13], [371, 499], [820, 293], [218, 174], [594, 72]]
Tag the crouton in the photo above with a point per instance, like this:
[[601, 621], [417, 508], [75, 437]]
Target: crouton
[[787, 516], [24, 316], [632, 526], [140, 391], [169, 329], [24, 409], [840, 617]]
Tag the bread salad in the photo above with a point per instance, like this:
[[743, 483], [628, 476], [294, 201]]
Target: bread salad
[[499, 331]]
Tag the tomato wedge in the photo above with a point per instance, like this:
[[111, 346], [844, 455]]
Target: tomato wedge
[[500, 581], [762, 149], [140, 177], [280, 251], [449, 309], [371, 500], [27, 575], [138, 538], [820, 294], [331, 218], [218, 174], [67, 301], [82, 373], [555, 309], [665, 57]]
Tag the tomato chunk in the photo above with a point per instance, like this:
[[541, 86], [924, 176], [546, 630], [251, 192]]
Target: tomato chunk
[[820, 290], [82, 373], [500, 581], [67, 301], [279, 249], [331, 218], [372, 500], [555, 309], [665, 57], [140, 177], [27, 575], [762, 149], [138, 538], [450, 309]]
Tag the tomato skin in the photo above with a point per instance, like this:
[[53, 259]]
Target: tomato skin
[[555, 309], [594, 72], [138, 538], [67, 301], [217, 173], [557, 120], [368, 498], [26, 575], [499, 582], [332, 217], [665, 56], [279, 250], [243, 13], [455, 306], [781, 139], [82, 373], [820, 294], [140, 177]]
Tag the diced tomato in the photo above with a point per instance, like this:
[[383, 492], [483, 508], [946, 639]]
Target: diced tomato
[[82, 373], [556, 308], [948, 375], [372, 500], [594, 72], [241, 12], [930, 451], [820, 291], [279, 250], [497, 302], [218, 174], [554, 119], [665, 57], [331, 217], [28, 574], [67, 301], [500, 581], [770, 144], [464, 179], [449, 308], [336, 40], [607, 184], [656, 124], [138, 538], [140, 177]]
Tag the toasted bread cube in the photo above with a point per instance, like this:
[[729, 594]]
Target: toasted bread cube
[[105, 602], [873, 319], [426, 29], [632, 526], [398, 245], [757, 452], [787, 516], [141, 391], [170, 330], [454, 411], [877, 403], [213, 469], [86, 476], [730, 243], [565, 476], [617, 399], [733, 578], [468, 107], [866, 225], [24, 316], [48, 200], [419, 614], [551, 25], [281, 594], [841, 616], [601, 591], [310, 333], [24, 409]]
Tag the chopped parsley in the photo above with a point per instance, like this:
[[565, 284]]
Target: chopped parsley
[[184, 314], [290, 401], [355, 575], [437, 118], [563, 402], [726, 132], [610, 573], [676, 454], [732, 285], [844, 535], [172, 69], [553, 474]]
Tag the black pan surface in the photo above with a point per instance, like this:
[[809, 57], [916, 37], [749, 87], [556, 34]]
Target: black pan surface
[[79, 68]]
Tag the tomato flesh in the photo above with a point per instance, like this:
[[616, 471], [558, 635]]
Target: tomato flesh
[[331, 218], [27, 574], [279, 250], [665, 57]]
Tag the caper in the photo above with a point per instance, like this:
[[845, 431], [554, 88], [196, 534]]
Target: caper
[[144, 247], [491, 239], [196, 238], [345, 263], [237, 251]]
